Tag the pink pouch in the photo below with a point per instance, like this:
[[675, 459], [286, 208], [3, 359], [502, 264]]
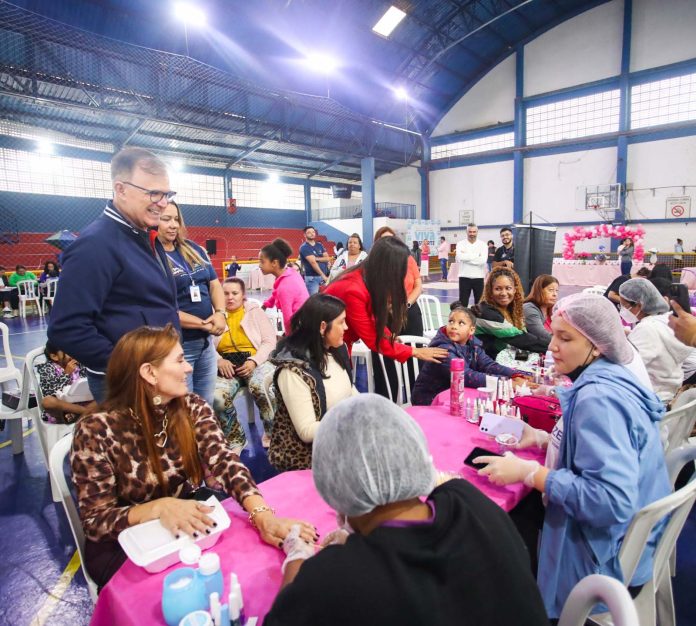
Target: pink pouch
[[539, 411]]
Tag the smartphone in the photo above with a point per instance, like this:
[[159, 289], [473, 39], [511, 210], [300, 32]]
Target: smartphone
[[476, 452], [679, 293], [521, 355], [492, 424]]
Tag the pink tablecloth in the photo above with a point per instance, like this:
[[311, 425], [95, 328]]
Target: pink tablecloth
[[132, 597], [688, 277], [590, 274]]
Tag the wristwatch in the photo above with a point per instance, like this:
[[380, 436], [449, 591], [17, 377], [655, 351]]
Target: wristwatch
[[220, 311]]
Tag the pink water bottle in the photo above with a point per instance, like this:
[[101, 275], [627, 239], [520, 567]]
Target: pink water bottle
[[457, 386]]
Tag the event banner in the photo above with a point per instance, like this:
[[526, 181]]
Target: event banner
[[418, 230]]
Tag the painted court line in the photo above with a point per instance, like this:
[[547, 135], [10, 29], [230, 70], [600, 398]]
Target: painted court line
[[26, 433], [56, 594]]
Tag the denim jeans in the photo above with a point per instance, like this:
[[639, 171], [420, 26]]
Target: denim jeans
[[443, 267], [97, 385], [202, 357], [313, 283]]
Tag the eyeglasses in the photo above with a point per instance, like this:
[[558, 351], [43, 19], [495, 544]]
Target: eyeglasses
[[155, 195]]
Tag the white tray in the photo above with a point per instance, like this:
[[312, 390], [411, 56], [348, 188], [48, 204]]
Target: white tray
[[152, 546]]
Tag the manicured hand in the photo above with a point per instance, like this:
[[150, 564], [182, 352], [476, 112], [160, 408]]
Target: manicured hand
[[246, 369], [335, 538], [225, 368], [188, 516], [274, 530]]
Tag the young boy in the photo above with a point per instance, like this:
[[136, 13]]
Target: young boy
[[459, 341]]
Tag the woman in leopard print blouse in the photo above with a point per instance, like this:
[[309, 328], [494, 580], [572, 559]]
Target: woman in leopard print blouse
[[148, 448]]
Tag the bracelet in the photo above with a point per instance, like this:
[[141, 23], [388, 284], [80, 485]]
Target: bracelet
[[256, 510], [220, 311]]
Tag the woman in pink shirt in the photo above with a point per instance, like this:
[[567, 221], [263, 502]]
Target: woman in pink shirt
[[289, 290]]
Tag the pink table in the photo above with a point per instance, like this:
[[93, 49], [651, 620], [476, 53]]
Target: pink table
[[132, 597], [589, 274]]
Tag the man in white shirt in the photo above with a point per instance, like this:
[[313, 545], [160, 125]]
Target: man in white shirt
[[471, 255]]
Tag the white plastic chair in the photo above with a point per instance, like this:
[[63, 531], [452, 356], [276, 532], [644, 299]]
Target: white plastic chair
[[592, 590], [28, 292], [49, 434], [431, 309], [51, 289], [361, 352], [276, 317], [56, 460], [10, 373], [677, 424], [655, 604], [403, 394]]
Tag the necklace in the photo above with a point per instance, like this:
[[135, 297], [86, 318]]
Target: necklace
[[161, 433]]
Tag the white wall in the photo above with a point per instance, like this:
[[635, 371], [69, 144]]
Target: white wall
[[663, 32], [487, 189], [583, 49], [551, 183], [402, 185], [490, 101]]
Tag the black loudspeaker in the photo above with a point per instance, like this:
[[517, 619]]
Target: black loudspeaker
[[341, 191], [211, 246], [533, 252]]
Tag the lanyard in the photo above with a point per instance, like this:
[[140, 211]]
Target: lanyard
[[183, 268]]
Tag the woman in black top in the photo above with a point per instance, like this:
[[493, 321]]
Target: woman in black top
[[452, 559]]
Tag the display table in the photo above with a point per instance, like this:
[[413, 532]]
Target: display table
[[575, 273], [133, 597]]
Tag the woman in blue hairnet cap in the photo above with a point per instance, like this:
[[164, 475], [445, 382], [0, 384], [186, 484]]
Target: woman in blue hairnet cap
[[410, 553], [604, 459]]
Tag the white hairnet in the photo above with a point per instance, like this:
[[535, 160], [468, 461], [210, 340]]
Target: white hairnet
[[367, 452], [597, 319], [643, 292]]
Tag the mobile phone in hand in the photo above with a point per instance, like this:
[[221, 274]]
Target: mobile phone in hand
[[679, 293], [477, 452]]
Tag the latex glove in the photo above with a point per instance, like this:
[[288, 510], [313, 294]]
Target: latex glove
[[533, 437], [507, 469], [542, 390], [335, 538], [295, 547]]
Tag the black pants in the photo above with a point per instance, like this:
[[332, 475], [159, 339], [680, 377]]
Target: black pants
[[466, 286], [414, 326]]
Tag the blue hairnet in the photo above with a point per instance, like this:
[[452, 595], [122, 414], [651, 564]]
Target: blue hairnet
[[368, 452]]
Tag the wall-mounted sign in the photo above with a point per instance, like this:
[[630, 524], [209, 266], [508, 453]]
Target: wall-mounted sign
[[466, 217], [678, 207]]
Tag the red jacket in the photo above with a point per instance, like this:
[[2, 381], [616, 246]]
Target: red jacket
[[361, 323]]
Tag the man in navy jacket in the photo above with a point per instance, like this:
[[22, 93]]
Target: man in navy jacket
[[115, 276]]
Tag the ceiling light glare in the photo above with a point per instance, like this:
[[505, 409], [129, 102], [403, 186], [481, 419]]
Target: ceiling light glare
[[322, 63], [177, 165], [401, 93], [44, 146], [273, 178], [189, 14], [389, 21]]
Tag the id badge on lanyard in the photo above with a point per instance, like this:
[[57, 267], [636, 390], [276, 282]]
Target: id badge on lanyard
[[195, 293]]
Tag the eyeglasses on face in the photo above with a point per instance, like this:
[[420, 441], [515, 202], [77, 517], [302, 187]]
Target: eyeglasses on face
[[155, 195]]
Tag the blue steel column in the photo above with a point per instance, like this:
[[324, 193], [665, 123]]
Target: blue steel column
[[367, 171], [624, 117], [520, 133], [424, 171], [308, 202]]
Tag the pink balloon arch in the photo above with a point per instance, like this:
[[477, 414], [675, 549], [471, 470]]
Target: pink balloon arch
[[579, 233]]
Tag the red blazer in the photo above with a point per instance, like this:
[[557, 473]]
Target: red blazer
[[361, 323]]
